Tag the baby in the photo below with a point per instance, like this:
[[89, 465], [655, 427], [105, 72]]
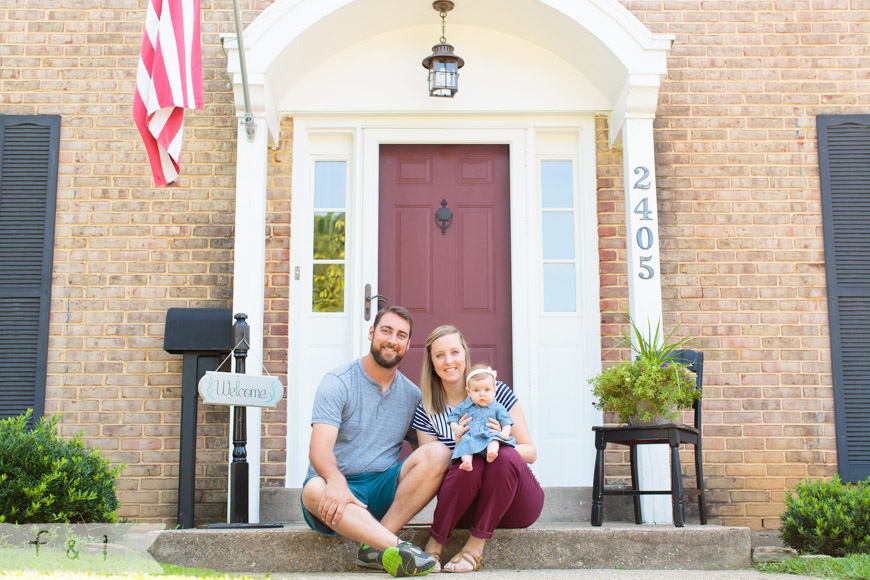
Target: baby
[[480, 406]]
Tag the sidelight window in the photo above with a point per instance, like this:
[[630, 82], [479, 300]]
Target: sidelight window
[[557, 227], [330, 219]]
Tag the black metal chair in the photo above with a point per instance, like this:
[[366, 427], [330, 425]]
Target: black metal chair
[[675, 435]]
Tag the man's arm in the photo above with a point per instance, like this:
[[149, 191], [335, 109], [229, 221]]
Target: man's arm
[[337, 494]]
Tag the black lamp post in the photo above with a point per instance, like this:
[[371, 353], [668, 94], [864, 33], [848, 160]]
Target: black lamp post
[[442, 64]]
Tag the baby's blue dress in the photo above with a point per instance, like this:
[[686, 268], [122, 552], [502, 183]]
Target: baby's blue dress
[[479, 435]]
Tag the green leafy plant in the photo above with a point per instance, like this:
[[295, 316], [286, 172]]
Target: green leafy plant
[[653, 387], [828, 517], [45, 478], [328, 278]]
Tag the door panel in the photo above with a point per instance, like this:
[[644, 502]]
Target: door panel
[[460, 275]]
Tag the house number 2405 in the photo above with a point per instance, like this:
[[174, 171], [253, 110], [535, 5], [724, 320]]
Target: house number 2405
[[645, 235]]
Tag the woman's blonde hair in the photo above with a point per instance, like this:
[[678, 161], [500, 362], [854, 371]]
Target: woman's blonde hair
[[434, 399]]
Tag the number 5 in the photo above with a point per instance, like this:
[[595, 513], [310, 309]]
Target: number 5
[[646, 267]]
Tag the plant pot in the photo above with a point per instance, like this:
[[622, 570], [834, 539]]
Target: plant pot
[[655, 420]]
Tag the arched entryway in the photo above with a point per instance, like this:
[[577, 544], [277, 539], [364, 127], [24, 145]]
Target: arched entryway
[[537, 73]]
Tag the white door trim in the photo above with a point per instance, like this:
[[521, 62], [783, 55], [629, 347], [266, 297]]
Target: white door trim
[[363, 135]]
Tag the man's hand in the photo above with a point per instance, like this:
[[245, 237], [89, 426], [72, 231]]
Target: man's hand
[[336, 497]]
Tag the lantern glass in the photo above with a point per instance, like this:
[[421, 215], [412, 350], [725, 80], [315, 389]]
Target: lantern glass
[[443, 77]]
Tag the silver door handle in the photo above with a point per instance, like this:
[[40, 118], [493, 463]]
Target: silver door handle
[[369, 298]]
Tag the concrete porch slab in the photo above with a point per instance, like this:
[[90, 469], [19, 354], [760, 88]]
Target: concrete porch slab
[[550, 545]]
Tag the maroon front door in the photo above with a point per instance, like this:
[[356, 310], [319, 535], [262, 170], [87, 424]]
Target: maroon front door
[[456, 270]]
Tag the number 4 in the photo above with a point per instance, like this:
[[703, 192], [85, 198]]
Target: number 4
[[643, 209]]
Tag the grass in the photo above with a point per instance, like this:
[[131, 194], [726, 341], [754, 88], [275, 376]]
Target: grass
[[853, 567], [167, 572], [53, 564]]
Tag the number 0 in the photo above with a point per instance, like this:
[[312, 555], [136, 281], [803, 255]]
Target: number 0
[[644, 238]]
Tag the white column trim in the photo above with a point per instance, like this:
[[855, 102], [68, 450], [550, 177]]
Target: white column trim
[[249, 270], [644, 285]]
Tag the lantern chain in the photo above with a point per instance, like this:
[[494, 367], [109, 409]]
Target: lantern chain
[[443, 38]]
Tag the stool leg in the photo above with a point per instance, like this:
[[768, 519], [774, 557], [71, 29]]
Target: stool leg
[[677, 488], [635, 480], [699, 476], [597, 482]]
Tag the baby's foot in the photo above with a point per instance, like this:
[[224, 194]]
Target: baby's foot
[[491, 454], [466, 465]]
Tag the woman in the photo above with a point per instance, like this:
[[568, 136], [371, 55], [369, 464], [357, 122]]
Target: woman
[[503, 493]]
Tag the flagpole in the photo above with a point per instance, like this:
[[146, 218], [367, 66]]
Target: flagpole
[[248, 122]]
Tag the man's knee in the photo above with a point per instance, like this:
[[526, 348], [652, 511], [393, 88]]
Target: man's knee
[[433, 459], [436, 455], [312, 492]]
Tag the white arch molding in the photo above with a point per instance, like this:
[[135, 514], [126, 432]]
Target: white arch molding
[[536, 71]]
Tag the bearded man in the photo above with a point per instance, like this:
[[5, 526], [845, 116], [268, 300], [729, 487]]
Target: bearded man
[[356, 486]]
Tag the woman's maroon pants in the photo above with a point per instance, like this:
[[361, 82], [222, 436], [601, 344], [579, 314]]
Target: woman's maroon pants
[[501, 494]]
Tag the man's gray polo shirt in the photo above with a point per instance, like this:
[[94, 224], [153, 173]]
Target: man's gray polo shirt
[[371, 424]]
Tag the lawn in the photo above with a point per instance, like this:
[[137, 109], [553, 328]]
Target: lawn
[[57, 564], [853, 567]]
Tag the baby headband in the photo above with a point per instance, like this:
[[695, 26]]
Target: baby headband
[[487, 371]]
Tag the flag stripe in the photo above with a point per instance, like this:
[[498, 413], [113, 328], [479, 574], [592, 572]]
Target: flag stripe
[[168, 80]]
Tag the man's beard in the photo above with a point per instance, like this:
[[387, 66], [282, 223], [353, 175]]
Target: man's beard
[[383, 362]]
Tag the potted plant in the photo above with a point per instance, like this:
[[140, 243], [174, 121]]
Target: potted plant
[[651, 388]]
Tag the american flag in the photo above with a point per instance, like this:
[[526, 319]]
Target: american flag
[[169, 80]]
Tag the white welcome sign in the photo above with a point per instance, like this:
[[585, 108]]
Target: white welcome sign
[[240, 390]]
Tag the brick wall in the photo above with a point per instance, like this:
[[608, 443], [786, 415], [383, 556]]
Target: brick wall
[[126, 251], [740, 228]]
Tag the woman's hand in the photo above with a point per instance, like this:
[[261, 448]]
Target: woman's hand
[[463, 427], [494, 425]]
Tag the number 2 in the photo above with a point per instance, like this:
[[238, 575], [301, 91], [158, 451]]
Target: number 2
[[639, 184]]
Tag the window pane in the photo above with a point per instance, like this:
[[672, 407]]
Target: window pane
[[329, 235], [557, 184], [327, 293], [330, 182], [559, 290], [558, 228]]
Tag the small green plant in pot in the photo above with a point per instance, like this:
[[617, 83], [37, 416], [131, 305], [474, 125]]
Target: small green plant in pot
[[650, 389]]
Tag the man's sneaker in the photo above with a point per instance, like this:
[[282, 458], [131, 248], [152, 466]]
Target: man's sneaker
[[368, 557], [406, 559]]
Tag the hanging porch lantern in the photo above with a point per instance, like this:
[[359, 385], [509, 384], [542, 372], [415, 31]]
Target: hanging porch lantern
[[442, 64]]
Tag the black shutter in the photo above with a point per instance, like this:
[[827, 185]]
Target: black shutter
[[28, 192], [844, 168]]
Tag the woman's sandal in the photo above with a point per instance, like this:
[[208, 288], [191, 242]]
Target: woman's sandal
[[437, 567], [465, 556]]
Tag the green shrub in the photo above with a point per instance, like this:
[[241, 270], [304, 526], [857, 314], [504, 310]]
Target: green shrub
[[828, 517], [45, 478]]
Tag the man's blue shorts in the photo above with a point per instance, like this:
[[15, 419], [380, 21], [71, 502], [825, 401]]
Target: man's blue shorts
[[376, 490]]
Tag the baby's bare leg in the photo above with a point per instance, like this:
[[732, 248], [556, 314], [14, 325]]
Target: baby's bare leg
[[466, 464], [492, 451]]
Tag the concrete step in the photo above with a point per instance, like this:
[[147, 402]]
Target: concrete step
[[561, 504], [546, 545]]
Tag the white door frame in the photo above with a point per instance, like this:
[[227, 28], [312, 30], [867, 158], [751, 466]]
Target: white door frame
[[519, 133]]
